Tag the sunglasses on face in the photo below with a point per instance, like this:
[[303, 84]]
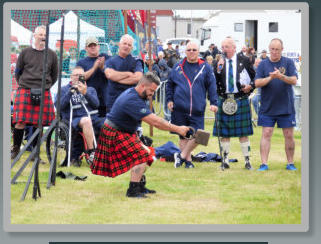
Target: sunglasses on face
[[191, 50]]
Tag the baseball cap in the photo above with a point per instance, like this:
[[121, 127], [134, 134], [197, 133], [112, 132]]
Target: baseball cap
[[264, 51], [91, 40], [169, 43]]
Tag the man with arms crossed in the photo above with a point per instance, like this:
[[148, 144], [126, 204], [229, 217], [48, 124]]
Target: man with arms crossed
[[123, 71]]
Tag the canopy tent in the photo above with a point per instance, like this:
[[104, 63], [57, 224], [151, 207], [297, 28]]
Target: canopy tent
[[85, 30], [23, 35]]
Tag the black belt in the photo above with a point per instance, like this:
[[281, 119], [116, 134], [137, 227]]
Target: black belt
[[116, 127], [237, 96], [30, 88]]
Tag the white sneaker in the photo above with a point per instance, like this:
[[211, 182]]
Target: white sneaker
[[177, 160]]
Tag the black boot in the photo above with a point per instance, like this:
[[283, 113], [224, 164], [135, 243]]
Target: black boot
[[17, 140], [143, 188], [247, 163], [134, 190]]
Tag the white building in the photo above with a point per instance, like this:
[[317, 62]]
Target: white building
[[254, 28], [169, 25]]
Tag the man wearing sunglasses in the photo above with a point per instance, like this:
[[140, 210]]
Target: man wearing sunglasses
[[189, 82]]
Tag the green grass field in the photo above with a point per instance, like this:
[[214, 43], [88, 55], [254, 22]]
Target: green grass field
[[204, 195]]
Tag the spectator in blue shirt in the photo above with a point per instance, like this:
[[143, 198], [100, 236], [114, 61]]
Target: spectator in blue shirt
[[276, 76], [93, 66], [123, 71]]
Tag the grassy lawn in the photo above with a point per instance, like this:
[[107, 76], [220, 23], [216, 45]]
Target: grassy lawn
[[204, 195]]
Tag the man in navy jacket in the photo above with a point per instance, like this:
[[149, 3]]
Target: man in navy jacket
[[189, 82], [76, 92]]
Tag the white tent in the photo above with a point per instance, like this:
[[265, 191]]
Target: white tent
[[70, 32], [23, 34]]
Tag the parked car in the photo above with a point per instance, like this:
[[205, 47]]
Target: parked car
[[178, 40]]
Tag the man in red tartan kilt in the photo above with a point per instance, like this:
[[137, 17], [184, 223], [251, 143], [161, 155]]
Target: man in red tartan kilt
[[28, 74], [119, 148]]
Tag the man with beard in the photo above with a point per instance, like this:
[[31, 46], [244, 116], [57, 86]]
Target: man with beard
[[28, 73], [119, 148], [123, 71]]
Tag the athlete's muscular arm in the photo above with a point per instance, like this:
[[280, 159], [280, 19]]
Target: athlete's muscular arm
[[162, 124]]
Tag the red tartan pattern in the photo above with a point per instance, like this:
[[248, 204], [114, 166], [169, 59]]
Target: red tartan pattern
[[117, 152], [26, 113]]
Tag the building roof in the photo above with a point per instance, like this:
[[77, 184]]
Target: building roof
[[164, 13]]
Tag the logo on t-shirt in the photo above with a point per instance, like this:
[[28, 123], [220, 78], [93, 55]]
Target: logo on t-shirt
[[143, 110], [282, 70]]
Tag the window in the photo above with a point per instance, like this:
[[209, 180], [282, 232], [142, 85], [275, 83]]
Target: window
[[206, 34], [189, 29], [238, 27], [273, 27]]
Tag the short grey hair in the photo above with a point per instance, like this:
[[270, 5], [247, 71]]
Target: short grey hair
[[277, 39], [126, 36], [191, 42], [40, 27], [160, 53]]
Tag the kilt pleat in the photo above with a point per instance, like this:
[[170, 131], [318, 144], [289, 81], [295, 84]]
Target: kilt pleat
[[117, 152], [26, 113], [236, 125]]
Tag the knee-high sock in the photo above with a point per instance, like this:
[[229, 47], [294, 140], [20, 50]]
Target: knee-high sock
[[226, 150], [245, 146]]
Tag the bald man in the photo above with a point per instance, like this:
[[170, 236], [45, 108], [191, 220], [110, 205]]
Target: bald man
[[28, 74], [123, 71], [189, 82], [277, 75], [235, 81]]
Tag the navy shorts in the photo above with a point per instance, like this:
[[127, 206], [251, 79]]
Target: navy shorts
[[179, 118], [283, 121]]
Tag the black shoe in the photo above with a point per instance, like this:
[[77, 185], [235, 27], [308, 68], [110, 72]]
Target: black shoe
[[14, 151], [248, 166], [226, 165], [134, 190], [143, 189], [189, 165]]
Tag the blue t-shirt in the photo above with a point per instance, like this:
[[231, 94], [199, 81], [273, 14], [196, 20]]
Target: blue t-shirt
[[98, 79], [128, 110], [117, 63], [277, 97]]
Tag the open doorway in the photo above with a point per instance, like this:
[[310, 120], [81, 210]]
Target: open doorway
[[251, 33]]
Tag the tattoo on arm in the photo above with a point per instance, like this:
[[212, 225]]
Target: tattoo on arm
[[137, 170]]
